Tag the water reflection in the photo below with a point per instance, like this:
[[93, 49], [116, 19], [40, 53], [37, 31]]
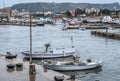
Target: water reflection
[[19, 69], [32, 77], [10, 70], [86, 74]]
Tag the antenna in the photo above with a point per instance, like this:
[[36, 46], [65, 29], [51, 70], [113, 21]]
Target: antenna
[[3, 3], [72, 42]]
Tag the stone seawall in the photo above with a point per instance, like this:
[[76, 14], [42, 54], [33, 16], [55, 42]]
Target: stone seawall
[[106, 34]]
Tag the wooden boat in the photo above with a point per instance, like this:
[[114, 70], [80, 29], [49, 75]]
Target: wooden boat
[[74, 66]]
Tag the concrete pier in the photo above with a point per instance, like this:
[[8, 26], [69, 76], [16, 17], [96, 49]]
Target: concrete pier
[[23, 74], [106, 34]]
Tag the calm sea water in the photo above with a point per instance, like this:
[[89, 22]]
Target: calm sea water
[[15, 39]]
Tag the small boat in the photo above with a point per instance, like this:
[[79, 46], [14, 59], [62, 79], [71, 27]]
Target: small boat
[[51, 53], [10, 56], [73, 66], [55, 53], [72, 25], [40, 24], [48, 54]]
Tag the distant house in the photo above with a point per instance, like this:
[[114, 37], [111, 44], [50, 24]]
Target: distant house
[[107, 19], [72, 13], [5, 14], [58, 15], [4, 17], [92, 10], [87, 11]]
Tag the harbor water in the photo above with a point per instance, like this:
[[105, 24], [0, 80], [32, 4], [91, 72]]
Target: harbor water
[[15, 39]]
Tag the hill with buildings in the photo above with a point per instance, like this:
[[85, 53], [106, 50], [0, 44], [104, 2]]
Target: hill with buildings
[[61, 7]]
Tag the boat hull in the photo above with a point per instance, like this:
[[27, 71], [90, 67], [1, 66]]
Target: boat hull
[[40, 24], [47, 55], [74, 67]]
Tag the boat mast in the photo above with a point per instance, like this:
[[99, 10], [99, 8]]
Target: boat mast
[[32, 69], [30, 40]]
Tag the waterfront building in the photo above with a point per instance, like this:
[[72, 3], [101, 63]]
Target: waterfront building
[[5, 14]]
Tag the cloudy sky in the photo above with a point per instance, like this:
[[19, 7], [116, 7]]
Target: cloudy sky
[[8, 3]]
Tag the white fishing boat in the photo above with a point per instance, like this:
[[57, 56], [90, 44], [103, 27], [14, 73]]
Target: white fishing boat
[[72, 25], [73, 66], [54, 53], [51, 53]]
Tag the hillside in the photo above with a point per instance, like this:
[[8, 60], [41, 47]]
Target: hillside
[[60, 7]]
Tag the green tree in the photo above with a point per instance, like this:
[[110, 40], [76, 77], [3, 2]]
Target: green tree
[[79, 11], [105, 12], [68, 14]]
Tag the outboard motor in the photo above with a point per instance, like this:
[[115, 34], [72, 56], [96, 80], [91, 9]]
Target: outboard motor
[[46, 46]]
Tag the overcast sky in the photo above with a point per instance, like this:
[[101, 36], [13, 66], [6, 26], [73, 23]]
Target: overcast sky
[[8, 3]]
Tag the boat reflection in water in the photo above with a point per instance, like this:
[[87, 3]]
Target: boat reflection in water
[[97, 70], [86, 75]]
